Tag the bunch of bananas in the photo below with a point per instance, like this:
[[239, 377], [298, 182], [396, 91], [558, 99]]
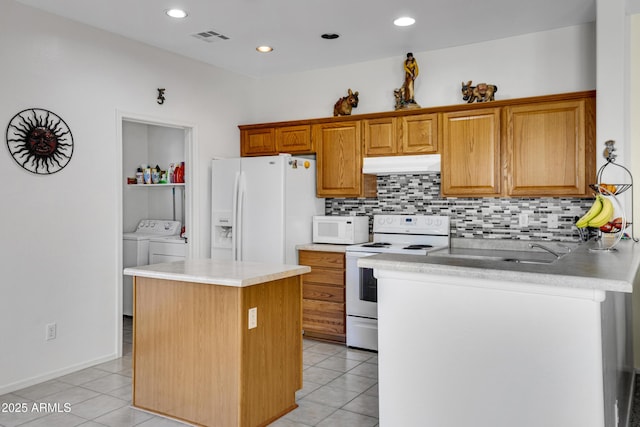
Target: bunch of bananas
[[598, 215]]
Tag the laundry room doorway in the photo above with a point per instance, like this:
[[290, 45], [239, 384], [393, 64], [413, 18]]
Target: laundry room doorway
[[158, 164]]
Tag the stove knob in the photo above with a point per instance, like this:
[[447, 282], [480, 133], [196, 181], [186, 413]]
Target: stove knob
[[429, 221], [438, 221], [389, 220]]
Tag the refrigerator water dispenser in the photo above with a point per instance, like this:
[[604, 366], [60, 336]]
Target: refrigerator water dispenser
[[222, 229]]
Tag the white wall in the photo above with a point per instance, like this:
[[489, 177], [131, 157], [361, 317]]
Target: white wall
[[60, 253], [557, 61], [60, 245], [634, 132], [135, 203]]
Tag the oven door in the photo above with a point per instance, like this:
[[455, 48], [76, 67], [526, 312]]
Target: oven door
[[361, 287]]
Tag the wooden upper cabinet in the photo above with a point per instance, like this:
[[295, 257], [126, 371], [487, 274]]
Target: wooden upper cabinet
[[471, 153], [418, 134], [390, 136], [527, 147], [380, 137], [257, 142], [549, 148], [293, 139], [339, 161]]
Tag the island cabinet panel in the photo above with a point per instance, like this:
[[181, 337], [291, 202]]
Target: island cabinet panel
[[471, 162], [269, 353], [258, 142], [323, 293], [339, 161], [294, 139], [195, 358], [419, 134], [548, 148]]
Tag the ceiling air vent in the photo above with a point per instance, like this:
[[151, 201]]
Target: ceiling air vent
[[210, 36]]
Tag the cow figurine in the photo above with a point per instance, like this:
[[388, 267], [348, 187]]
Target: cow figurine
[[480, 93], [345, 104]]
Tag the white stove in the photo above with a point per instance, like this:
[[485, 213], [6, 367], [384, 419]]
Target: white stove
[[397, 234], [406, 234]]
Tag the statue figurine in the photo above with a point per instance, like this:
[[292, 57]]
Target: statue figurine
[[410, 73], [405, 95]]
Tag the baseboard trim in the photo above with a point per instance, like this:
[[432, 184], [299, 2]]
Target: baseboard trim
[[18, 385]]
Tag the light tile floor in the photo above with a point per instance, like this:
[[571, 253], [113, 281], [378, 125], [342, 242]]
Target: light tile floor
[[340, 389]]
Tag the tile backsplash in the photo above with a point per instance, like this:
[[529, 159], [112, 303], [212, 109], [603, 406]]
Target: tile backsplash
[[485, 218]]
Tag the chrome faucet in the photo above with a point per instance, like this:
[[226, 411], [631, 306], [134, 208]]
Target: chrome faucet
[[551, 251]]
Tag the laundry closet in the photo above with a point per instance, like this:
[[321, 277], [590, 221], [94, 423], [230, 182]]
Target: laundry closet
[[153, 213]]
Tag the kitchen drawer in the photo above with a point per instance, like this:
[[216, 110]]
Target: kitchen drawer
[[324, 317], [321, 259], [319, 292], [323, 275]]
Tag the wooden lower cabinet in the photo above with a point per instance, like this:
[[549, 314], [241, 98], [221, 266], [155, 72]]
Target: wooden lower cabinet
[[323, 295]]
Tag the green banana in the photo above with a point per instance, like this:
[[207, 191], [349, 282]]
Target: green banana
[[595, 209], [604, 216]]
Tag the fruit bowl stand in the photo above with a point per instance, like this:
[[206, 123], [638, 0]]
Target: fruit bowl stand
[[608, 240]]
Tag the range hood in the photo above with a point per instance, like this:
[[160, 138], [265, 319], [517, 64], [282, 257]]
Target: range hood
[[401, 164]]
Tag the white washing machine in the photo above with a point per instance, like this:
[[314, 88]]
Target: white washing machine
[[167, 249], [135, 252]]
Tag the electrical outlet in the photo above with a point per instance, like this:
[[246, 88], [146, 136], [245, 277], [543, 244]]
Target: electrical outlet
[[552, 221], [51, 331], [523, 220], [253, 317]]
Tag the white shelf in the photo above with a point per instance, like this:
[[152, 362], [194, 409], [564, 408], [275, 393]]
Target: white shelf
[[171, 184]]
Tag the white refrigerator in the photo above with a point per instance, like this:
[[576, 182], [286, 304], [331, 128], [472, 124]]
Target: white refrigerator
[[262, 207]]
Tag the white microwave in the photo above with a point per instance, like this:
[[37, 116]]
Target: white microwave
[[340, 230]]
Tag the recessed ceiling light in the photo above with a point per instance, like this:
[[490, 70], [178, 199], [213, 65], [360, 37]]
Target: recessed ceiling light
[[330, 36], [176, 13], [264, 49], [404, 21]]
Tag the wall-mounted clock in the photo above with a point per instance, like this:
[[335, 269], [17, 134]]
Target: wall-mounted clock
[[39, 141]]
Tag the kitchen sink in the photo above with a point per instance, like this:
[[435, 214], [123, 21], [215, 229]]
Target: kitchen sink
[[500, 255]]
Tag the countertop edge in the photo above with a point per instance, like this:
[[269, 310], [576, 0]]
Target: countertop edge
[[322, 247], [229, 273], [598, 278]]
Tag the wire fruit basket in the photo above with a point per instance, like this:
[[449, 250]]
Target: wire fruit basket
[[610, 236]]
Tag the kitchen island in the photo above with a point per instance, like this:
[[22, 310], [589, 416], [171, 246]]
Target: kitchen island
[[485, 341], [217, 343]]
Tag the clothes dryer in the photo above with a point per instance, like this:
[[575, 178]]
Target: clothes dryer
[[167, 249], [135, 252]]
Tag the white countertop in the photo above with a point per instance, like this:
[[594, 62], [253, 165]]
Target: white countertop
[[607, 271], [216, 272]]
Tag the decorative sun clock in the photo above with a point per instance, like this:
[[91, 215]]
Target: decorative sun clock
[[39, 141]]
